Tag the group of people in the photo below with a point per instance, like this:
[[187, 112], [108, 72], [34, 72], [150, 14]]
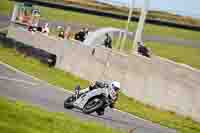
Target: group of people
[[66, 33], [46, 30], [35, 28], [82, 34]]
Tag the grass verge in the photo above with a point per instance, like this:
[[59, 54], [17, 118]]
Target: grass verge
[[17, 117], [68, 81], [182, 54], [6, 7]]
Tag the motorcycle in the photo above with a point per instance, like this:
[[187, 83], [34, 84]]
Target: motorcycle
[[95, 100]]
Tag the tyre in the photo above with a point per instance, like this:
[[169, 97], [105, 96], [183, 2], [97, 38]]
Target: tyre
[[93, 105], [68, 103], [100, 112]]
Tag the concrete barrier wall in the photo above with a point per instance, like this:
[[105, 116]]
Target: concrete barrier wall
[[154, 81]]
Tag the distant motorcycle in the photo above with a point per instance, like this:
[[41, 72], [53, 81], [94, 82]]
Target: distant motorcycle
[[90, 101]]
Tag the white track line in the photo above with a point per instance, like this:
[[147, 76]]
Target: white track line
[[18, 71], [17, 80]]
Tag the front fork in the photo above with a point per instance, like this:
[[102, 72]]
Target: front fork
[[77, 91]]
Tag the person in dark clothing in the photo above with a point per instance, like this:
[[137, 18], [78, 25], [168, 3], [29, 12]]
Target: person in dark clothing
[[39, 29], [32, 29], [108, 41], [143, 50], [80, 36], [61, 34]]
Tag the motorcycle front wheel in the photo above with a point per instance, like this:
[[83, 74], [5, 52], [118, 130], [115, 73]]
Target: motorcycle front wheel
[[68, 103]]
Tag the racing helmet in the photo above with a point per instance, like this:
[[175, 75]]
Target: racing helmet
[[116, 85]]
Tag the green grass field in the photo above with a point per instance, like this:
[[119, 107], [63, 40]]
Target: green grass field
[[76, 17], [69, 81], [69, 16], [182, 54], [17, 117], [6, 7]]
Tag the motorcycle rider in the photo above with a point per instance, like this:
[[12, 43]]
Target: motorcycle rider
[[116, 87]]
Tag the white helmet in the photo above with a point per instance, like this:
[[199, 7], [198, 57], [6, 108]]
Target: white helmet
[[116, 85]]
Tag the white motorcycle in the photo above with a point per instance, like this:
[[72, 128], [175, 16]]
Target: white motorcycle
[[92, 100]]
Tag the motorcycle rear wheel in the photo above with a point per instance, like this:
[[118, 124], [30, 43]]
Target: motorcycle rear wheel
[[93, 105]]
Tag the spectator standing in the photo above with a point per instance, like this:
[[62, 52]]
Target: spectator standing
[[81, 35], [68, 32], [108, 41], [61, 34], [45, 29]]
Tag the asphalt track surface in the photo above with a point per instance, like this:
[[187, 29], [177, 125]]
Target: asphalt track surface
[[18, 86]]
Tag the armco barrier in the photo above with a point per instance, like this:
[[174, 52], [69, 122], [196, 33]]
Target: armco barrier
[[154, 81]]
